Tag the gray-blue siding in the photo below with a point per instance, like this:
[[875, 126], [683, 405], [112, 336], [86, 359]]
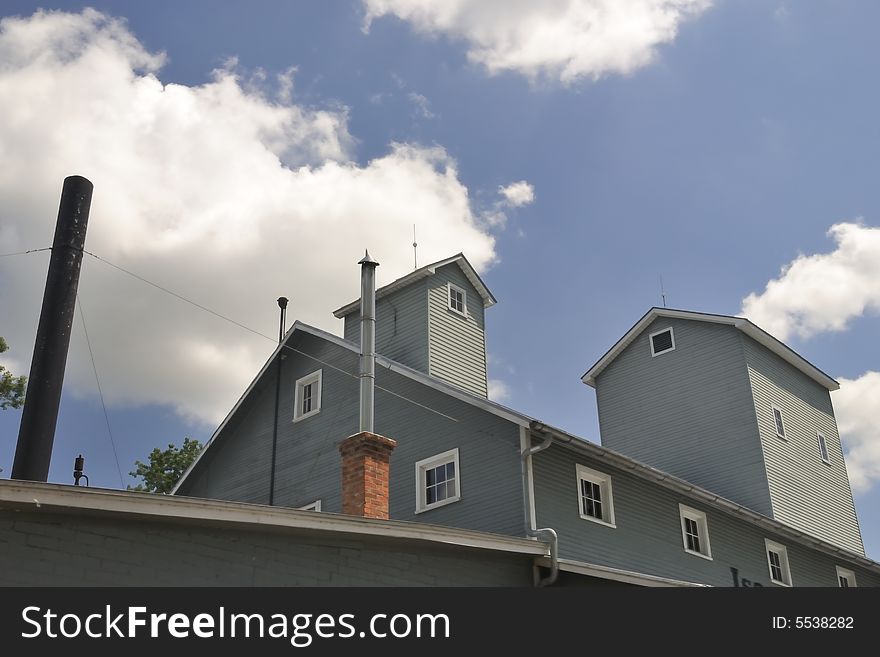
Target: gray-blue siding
[[648, 536], [52, 549], [308, 464], [401, 326], [805, 492], [688, 412], [457, 347]]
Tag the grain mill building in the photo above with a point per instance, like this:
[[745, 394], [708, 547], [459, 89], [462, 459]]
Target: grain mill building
[[721, 462]]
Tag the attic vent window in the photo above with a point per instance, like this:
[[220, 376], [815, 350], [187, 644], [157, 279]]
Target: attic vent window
[[662, 341], [780, 424], [457, 299], [823, 447]]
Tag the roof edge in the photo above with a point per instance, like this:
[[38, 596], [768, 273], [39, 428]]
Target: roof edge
[[703, 495], [743, 324], [98, 501], [428, 270]]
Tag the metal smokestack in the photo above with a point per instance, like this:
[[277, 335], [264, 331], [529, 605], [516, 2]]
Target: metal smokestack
[[36, 434], [368, 341]]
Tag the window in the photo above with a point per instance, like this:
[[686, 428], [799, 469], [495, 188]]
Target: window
[[845, 578], [438, 481], [662, 341], [314, 506], [823, 447], [777, 560], [594, 496], [457, 299], [307, 400], [780, 424], [695, 532]]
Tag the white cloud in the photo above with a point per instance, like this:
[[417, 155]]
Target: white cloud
[[820, 293], [561, 39], [518, 193], [217, 191], [856, 407], [422, 106], [825, 291], [514, 195], [498, 391]]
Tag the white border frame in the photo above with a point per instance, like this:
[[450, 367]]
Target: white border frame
[[432, 462], [781, 436], [452, 286], [702, 521], [783, 562], [314, 506], [315, 377], [604, 482], [822, 440], [848, 574], [651, 341]]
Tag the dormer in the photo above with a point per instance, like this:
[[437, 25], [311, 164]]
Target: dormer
[[433, 320]]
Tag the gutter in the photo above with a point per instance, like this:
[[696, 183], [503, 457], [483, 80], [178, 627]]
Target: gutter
[[681, 486], [546, 535]]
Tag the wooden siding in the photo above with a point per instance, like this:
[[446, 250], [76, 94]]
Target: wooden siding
[[648, 536], [401, 326], [805, 492], [688, 412], [308, 462], [457, 352]]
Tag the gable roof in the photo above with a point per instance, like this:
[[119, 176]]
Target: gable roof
[[576, 443], [382, 361], [752, 330], [423, 272]]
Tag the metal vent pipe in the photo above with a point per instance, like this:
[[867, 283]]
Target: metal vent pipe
[[368, 341]]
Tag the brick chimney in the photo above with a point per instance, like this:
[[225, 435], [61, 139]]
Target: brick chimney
[[366, 461]]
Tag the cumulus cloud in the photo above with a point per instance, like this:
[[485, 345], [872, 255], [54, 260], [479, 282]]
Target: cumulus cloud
[[856, 406], [514, 195], [825, 291], [518, 194], [226, 193], [562, 39]]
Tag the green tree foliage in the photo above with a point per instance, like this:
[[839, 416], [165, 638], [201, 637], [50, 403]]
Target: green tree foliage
[[165, 467], [11, 387]]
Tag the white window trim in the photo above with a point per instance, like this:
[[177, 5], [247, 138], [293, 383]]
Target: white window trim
[[452, 286], [433, 462], [820, 438], [651, 341], [700, 518], [314, 377], [848, 574], [314, 506], [782, 435], [604, 482], [783, 562]]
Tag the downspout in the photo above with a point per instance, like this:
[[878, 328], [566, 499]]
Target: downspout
[[546, 534]]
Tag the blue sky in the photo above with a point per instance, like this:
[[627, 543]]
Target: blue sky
[[714, 145]]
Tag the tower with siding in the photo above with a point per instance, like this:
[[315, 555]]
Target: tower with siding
[[719, 402], [433, 321]]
